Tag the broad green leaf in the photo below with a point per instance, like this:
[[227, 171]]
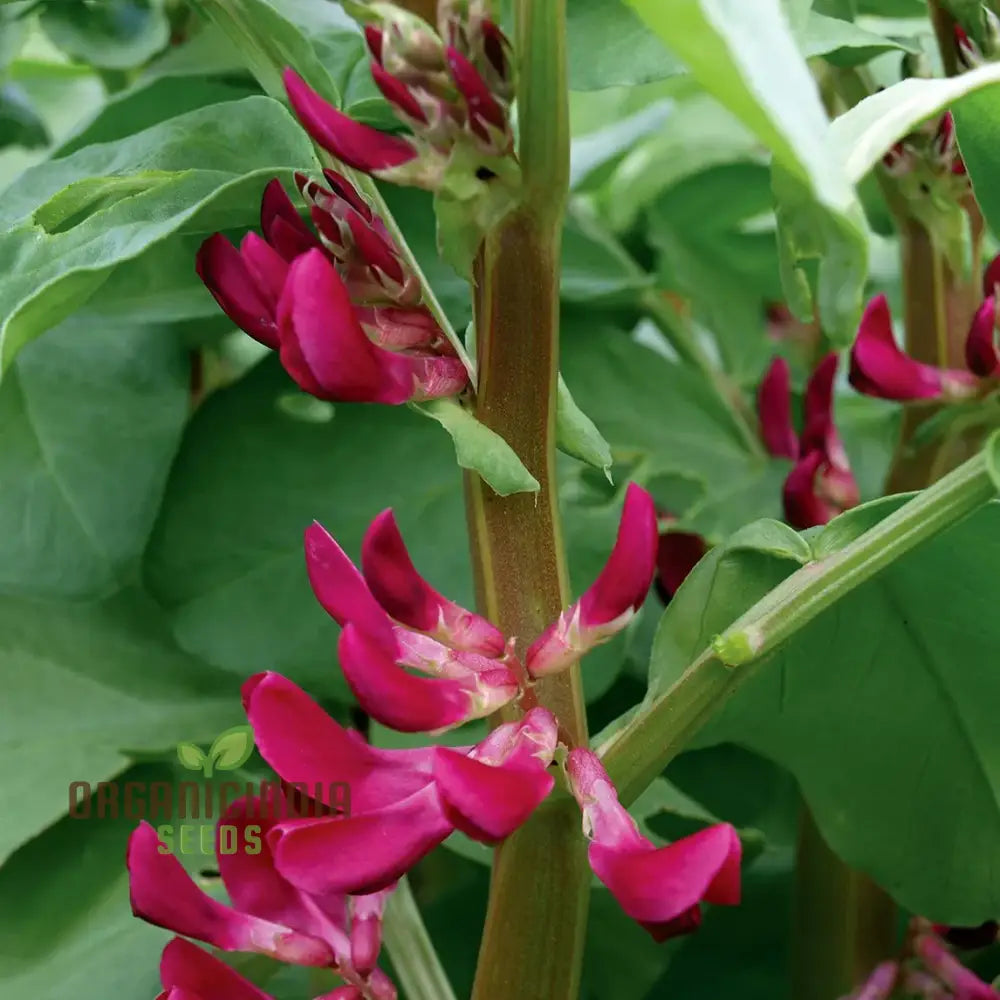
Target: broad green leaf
[[232, 748], [881, 707], [91, 415], [112, 34], [993, 457], [480, 449], [861, 136], [107, 204], [977, 125], [610, 47], [19, 122], [746, 57], [226, 557], [191, 756], [596, 270], [843, 43], [576, 434], [88, 684]]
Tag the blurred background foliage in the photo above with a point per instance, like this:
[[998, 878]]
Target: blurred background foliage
[[157, 473]]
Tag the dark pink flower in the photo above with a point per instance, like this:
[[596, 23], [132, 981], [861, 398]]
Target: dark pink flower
[[613, 599], [962, 982], [981, 354], [357, 145], [486, 117], [187, 972], [660, 888], [298, 924], [879, 985], [879, 368], [403, 802], [677, 553], [774, 407], [377, 653]]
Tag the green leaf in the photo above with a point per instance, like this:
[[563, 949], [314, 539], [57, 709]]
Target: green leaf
[[226, 556], [92, 415], [610, 47], [112, 34], [747, 58], [977, 126], [596, 270], [843, 43], [881, 707], [993, 457], [576, 434], [192, 757], [19, 122], [232, 748], [107, 204], [480, 449], [88, 684]]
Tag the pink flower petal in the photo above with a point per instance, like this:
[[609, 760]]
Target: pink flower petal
[[804, 508], [407, 597], [483, 107], [187, 969], [981, 354], [614, 597], [282, 225], [304, 745], [266, 266], [676, 555], [400, 329], [397, 94], [323, 346], [488, 802], [658, 885], [964, 983], [366, 928], [399, 699], [163, 893], [227, 277], [360, 854], [358, 145], [879, 368], [774, 407], [376, 252], [991, 277]]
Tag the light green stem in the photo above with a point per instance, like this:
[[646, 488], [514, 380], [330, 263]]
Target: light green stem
[[661, 729], [417, 966]]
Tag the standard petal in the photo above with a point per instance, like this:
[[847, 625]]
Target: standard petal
[[879, 368], [614, 597], [981, 354], [774, 409], [186, 967], [358, 145], [266, 266], [488, 802], [282, 225], [804, 507], [410, 599], [399, 699], [323, 346], [482, 105], [227, 277], [360, 854], [163, 893], [657, 886], [304, 745]]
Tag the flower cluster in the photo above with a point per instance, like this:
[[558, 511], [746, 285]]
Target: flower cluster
[[880, 368], [340, 305], [452, 90], [313, 893], [270, 913], [929, 153], [929, 970]]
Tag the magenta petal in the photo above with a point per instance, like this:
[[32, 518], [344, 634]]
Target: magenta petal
[[614, 597], [304, 745], [964, 983], [266, 266], [436, 377], [659, 885], [292, 237], [340, 588], [481, 103], [399, 329], [407, 597], [819, 405], [397, 93], [186, 968], [360, 854], [774, 408], [366, 928], [991, 277], [676, 555], [163, 893], [375, 251], [396, 698], [981, 354], [879, 368], [804, 508], [488, 802], [322, 344], [226, 276], [358, 145]]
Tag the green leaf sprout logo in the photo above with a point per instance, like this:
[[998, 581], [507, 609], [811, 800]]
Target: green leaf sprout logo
[[230, 750]]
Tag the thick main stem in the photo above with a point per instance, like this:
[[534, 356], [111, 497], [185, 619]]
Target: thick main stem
[[536, 917]]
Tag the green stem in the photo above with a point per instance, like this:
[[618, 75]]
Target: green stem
[[690, 351], [844, 924], [536, 917], [660, 729], [414, 959]]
